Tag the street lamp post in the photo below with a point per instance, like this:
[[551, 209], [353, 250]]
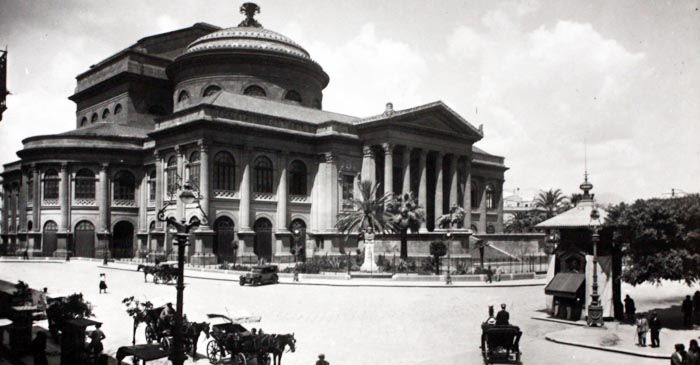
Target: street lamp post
[[595, 310], [183, 229]]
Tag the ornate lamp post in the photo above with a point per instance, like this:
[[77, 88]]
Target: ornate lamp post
[[182, 228], [595, 310]]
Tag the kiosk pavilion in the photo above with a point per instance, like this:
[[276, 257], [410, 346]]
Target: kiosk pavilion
[[238, 112]]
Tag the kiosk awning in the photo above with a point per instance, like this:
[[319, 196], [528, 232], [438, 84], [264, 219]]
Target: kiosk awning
[[565, 285]]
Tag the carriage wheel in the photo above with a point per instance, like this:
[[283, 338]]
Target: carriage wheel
[[239, 359], [214, 352], [150, 335]]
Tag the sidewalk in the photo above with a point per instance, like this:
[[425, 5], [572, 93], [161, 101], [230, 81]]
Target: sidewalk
[[621, 338], [340, 279]]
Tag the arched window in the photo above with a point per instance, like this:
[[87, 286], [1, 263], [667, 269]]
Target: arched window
[[94, 118], [193, 169], [171, 172], [51, 184], [51, 226], [224, 171], [105, 114], [255, 90], [475, 195], [297, 178], [211, 90], [124, 186], [85, 184], [263, 175], [152, 186], [117, 109], [293, 96], [490, 197], [183, 96], [83, 122]]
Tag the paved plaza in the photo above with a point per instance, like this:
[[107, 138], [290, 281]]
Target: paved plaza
[[351, 325]]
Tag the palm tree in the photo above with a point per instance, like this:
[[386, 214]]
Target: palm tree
[[552, 201], [453, 219], [406, 214], [368, 211], [523, 222]]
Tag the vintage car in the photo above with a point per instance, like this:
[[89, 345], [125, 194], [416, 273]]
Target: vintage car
[[258, 275]]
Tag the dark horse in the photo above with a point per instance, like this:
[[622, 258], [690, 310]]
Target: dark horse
[[192, 331], [279, 345], [147, 269]]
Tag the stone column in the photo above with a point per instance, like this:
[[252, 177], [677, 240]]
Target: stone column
[[423, 185], [160, 184], [454, 181], [5, 217], [180, 207], [282, 194], [388, 167], [368, 164], [103, 205], [64, 198], [437, 205], [334, 193], [499, 207], [142, 232], [482, 207], [204, 181], [244, 206], [22, 205], [36, 199], [406, 170], [467, 194]]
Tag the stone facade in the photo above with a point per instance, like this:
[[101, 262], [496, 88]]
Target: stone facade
[[238, 112]]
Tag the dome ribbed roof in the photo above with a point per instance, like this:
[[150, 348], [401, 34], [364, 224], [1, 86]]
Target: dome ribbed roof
[[248, 38]]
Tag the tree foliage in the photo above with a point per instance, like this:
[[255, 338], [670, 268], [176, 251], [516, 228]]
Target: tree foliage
[[552, 200], [368, 211], [660, 238], [523, 222], [406, 214]]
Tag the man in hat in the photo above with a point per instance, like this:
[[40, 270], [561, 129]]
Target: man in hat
[[166, 315], [502, 317], [322, 360]]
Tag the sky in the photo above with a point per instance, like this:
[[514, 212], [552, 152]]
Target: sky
[[552, 82]]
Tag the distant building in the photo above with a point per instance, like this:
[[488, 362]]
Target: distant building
[[238, 112]]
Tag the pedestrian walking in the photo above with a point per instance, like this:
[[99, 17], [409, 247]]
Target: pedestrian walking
[[687, 309], [322, 360], [654, 329], [38, 348], [489, 274], [41, 300], [25, 254], [642, 329], [693, 353], [103, 283], [296, 273], [630, 309], [95, 346], [696, 307], [498, 273], [680, 356]]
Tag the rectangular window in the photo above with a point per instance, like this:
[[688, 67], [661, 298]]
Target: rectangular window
[[85, 188], [347, 189], [51, 189], [152, 189]]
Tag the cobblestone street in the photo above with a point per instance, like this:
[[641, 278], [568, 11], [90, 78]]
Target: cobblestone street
[[351, 325]]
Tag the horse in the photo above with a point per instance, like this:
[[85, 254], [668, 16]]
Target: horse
[[147, 269], [192, 331], [279, 345]]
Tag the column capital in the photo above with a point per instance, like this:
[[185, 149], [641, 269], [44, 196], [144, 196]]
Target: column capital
[[157, 155], [329, 157], [203, 145], [388, 147], [367, 151], [179, 150], [104, 166], [64, 166]]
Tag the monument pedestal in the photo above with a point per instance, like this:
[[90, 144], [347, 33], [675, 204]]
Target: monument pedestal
[[369, 265]]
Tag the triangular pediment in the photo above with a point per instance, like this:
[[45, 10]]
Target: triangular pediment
[[435, 117]]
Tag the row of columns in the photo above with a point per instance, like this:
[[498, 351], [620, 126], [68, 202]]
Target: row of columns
[[369, 168]]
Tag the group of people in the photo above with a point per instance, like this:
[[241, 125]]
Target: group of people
[[690, 307], [645, 325], [683, 357], [490, 273]]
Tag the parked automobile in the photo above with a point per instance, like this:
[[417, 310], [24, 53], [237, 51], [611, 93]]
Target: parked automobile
[[264, 274]]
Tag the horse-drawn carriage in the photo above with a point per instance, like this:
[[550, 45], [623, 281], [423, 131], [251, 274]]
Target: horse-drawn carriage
[[161, 331], [163, 272], [230, 338], [500, 344]]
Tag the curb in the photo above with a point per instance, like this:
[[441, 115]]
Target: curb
[[600, 348], [560, 321], [352, 285]]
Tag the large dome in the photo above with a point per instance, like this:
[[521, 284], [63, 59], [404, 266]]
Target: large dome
[[248, 38]]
